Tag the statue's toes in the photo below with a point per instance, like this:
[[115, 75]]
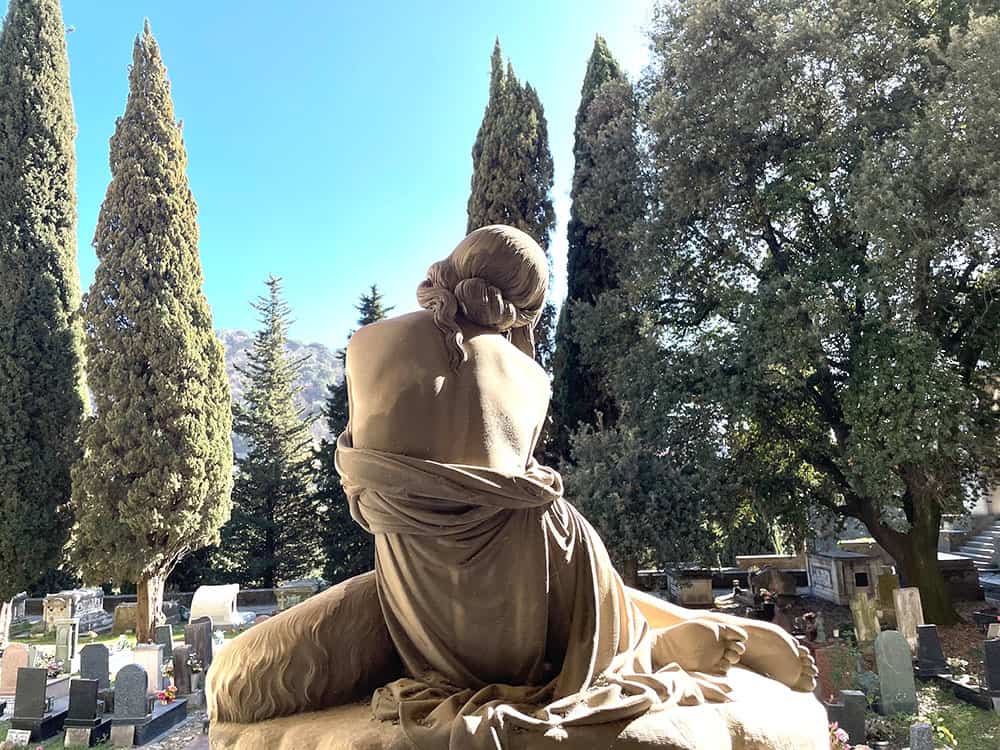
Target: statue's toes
[[807, 679]]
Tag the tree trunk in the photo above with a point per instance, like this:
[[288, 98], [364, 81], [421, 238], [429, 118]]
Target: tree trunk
[[149, 614], [630, 572]]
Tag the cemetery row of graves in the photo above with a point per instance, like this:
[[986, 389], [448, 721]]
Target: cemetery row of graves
[[76, 677]]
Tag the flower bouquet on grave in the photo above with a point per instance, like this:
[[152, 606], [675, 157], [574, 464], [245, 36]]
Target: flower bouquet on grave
[[167, 695], [167, 670], [193, 662], [838, 738]]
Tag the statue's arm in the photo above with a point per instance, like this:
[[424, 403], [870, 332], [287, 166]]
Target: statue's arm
[[331, 649]]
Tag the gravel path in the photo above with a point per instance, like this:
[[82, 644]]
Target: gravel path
[[183, 736]]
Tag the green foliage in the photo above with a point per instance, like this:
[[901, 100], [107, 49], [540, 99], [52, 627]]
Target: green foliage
[[822, 266], [155, 478], [512, 172], [607, 206], [274, 534], [42, 398], [350, 550]]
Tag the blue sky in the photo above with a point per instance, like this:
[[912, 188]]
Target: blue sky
[[329, 141]]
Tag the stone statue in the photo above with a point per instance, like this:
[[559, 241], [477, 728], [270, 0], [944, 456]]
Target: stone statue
[[494, 618]]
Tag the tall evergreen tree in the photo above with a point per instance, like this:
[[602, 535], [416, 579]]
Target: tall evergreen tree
[[274, 534], [155, 478], [607, 206], [350, 550], [42, 397], [512, 172]]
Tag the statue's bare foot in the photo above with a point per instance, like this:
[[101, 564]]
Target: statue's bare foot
[[700, 645], [772, 652], [807, 681]]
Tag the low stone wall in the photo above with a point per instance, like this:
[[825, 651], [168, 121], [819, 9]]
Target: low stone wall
[[246, 598]]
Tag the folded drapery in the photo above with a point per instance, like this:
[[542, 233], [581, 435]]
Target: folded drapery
[[503, 604]]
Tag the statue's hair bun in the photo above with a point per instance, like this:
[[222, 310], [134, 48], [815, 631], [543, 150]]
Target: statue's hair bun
[[484, 304]]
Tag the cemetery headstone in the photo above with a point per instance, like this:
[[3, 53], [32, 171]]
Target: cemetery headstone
[[930, 656], [921, 736], [67, 637], [866, 624], [849, 714], [149, 656], [909, 614], [132, 703], [95, 664], [15, 657], [888, 584], [182, 671], [29, 700], [124, 618], [993, 630], [171, 611], [198, 635], [83, 704], [164, 635], [991, 665], [895, 672]]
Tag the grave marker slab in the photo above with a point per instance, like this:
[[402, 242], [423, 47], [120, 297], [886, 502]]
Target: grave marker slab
[[83, 704], [909, 614], [866, 624], [198, 635], [921, 737], [149, 656], [849, 713], [991, 666], [132, 704], [95, 663], [182, 672], [16, 656], [29, 700], [164, 635], [993, 631], [930, 656], [895, 673], [67, 638]]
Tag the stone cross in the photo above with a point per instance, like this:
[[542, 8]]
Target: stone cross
[[198, 635], [909, 614], [849, 713], [15, 657], [29, 700], [131, 689], [149, 656], [930, 656], [895, 673], [866, 625], [164, 635], [921, 737], [95, 664]]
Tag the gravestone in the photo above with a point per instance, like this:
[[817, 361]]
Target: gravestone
[[29, 700], [95, 664], [849, 714], [164, 635], [182, 672], [991, 665], [930, 656], [171, 611], [921, 736], [83, 709], [149, 656], [993, 631], [909, 614], [198, 635], [79, 604], [67, 638], [888, 584], [15, 657], [866, 624], [124, 618], [895, 674], [132, 704]]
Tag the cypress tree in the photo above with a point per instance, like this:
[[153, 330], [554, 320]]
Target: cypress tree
[[155, 479], [512, 171], [607, 204], [350, 550], [42, 397], [274, 534]]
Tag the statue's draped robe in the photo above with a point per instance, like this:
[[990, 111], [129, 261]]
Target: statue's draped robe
[[502, 602]]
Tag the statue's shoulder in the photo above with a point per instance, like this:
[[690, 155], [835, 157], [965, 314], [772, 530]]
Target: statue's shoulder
[[402, 335]]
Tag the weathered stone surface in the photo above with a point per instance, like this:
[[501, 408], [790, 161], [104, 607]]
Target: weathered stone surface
[[124, 619], [67, 637], [131, 689], [921, 736], [895, 672], [909, 614], [16, 656], [95, 664], [198, 635], [866, 624], [149, 656]]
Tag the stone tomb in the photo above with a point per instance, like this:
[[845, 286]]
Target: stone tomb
[[34, 711], [198, 635], [895, 673], [909, 614], [85, 724], [293, 592], [124, 618], [85, 605], [690, 587], [218, 603], [138, 717], [15, 657], [930, 655], [838, 576]]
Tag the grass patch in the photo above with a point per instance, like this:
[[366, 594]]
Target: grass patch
[[973, 728]]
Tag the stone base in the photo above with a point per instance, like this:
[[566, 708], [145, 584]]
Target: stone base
[[42, 729], [163, 719], [87, 736], [764, 715], [122, 735]]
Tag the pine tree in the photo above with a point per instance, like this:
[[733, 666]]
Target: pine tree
[[512, 172], [350, 550], [274, 534], [607, 205], [155, 479], [42, 399]]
